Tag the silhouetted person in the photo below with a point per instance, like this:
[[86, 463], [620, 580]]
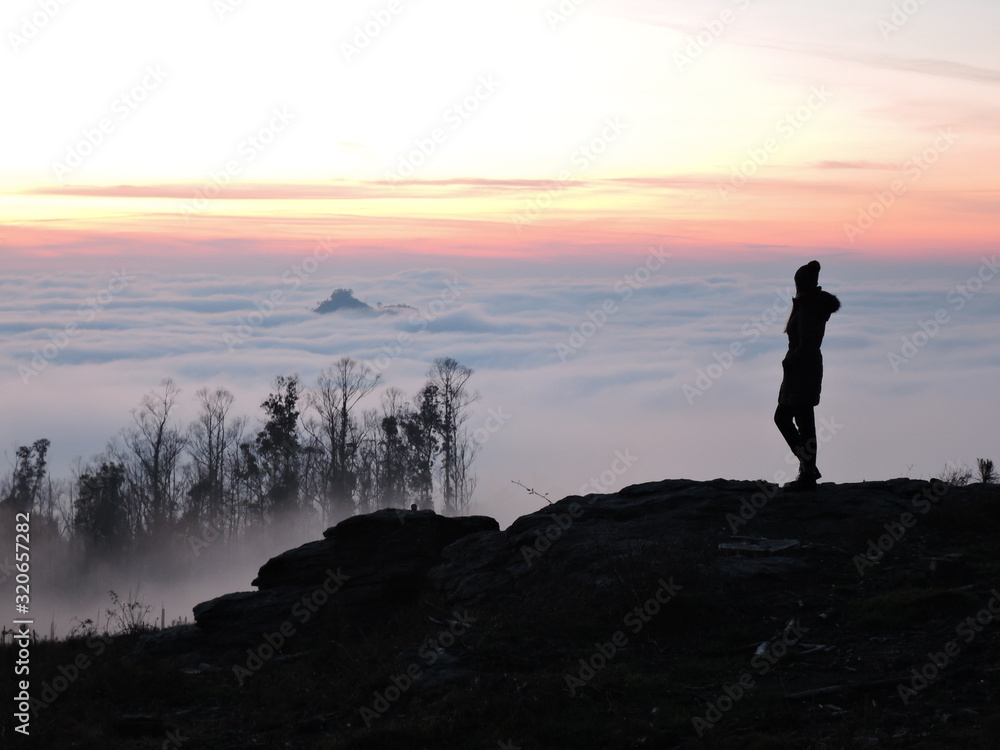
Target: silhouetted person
[[803, 367]]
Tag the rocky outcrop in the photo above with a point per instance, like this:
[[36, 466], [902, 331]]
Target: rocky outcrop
[[369, 566], [386, 553], [588, 542], [693, 614], [364, 567]]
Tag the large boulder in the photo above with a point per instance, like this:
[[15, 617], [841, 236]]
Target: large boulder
[[387, 552], [364, 567]]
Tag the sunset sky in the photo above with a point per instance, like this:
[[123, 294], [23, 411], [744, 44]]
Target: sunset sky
[[541, 153], [516, 129]]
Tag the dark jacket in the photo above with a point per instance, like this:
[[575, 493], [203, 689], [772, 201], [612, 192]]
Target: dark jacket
[[803, 365]]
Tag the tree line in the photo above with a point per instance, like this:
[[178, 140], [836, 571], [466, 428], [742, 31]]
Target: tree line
[[314, 451]]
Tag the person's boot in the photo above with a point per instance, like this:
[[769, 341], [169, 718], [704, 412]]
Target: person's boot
[[808, 474], [804, 482]]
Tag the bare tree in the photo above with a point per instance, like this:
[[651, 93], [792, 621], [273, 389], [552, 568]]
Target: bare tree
[[337, 392], [212, 444], [311, 488], [454, 398], [155, 446], [365, 464], [465, 480]]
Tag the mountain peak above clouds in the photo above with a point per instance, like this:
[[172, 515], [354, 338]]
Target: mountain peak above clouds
[[343, 300]]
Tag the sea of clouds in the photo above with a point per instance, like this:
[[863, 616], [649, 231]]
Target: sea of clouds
[[672, 362]]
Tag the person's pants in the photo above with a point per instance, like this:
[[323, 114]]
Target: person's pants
[[798, 426]]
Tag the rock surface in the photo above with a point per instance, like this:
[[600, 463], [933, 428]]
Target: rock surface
[[386, 553], [859, 615], [368, 566], [364, 567], [588, 541]]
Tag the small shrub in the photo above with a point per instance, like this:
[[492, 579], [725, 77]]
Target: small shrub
[[83, 629], [128, 617], [956, 475]]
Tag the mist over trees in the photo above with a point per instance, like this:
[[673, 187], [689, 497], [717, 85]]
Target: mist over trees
[[312, 455]]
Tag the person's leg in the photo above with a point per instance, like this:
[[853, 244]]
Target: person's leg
[[805, 420], [783, 418], [798, 426]]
